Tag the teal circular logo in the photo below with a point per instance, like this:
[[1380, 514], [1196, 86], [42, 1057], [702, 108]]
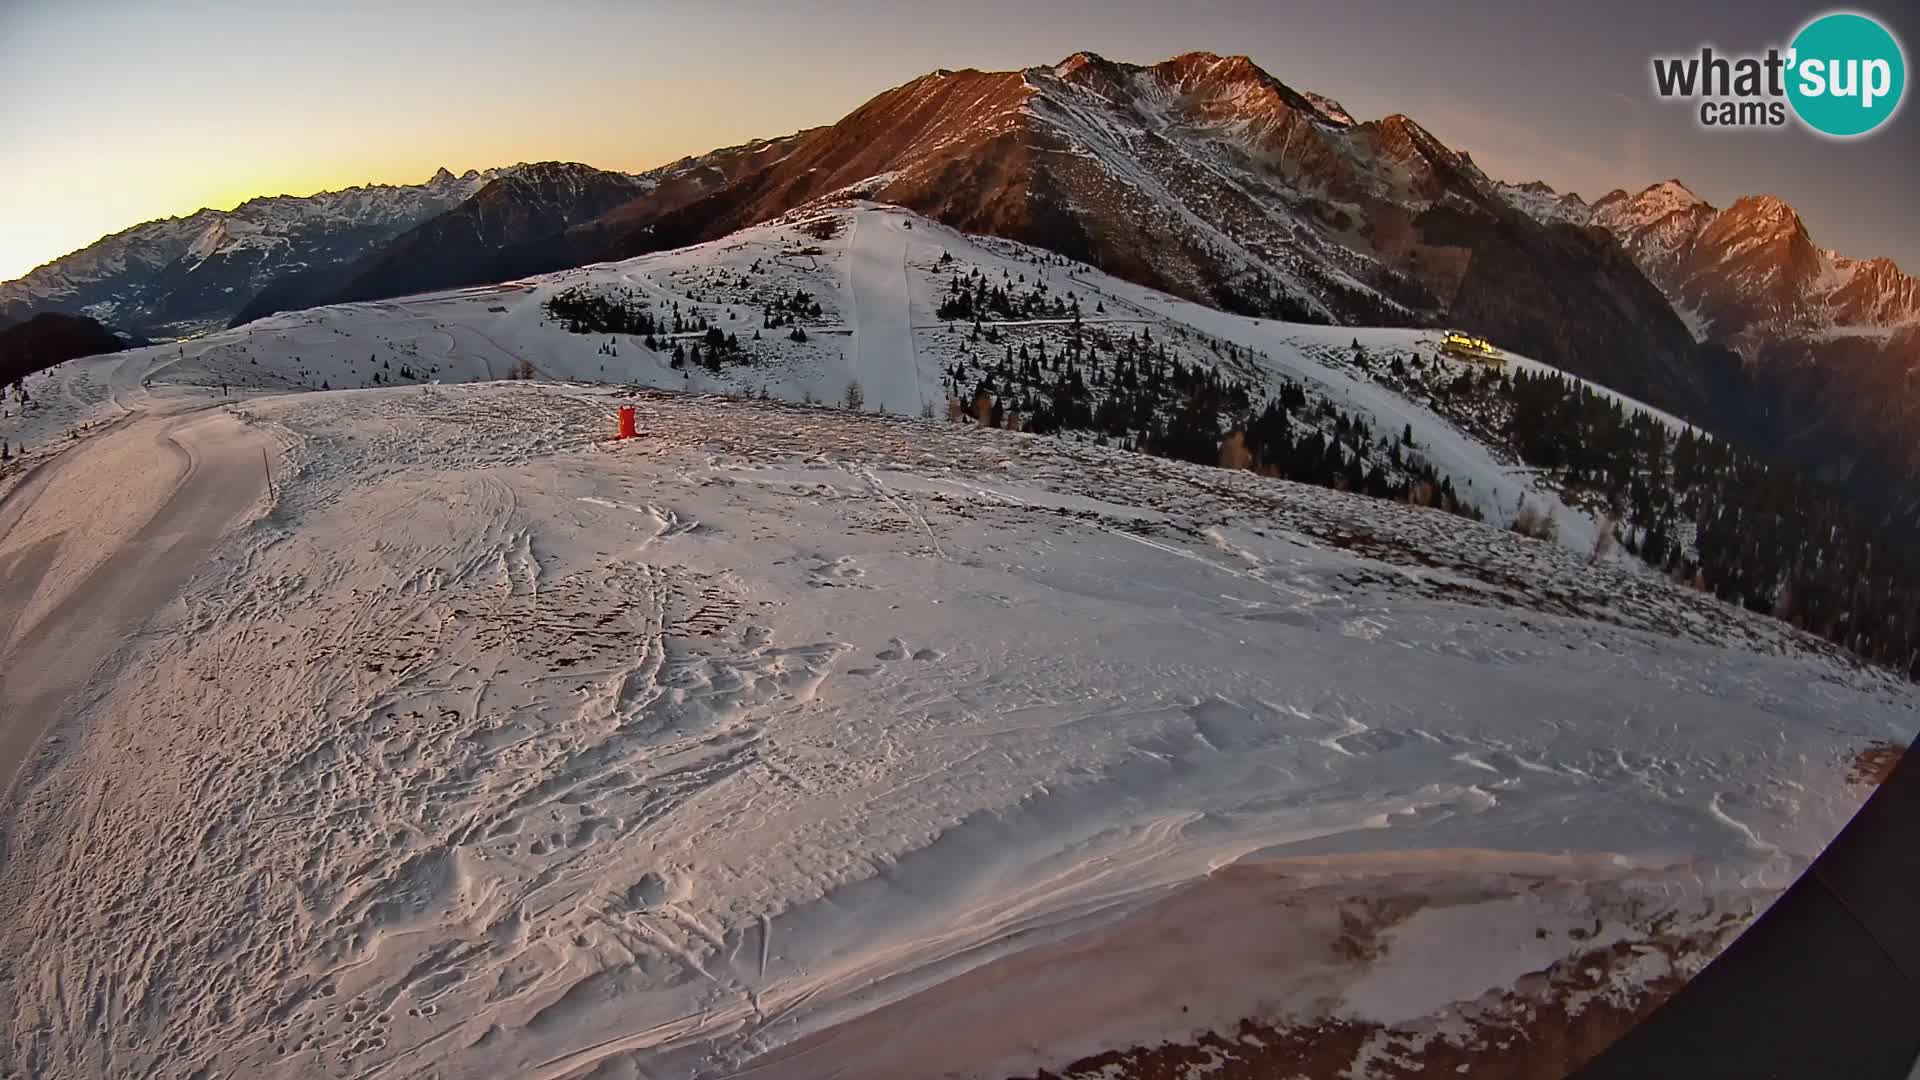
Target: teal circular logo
[[1847, 74]]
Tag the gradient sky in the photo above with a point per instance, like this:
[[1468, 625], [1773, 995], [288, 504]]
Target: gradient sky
[[113, 112]]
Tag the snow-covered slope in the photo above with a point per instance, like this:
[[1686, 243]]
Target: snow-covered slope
[[490, 747], [877, 275]]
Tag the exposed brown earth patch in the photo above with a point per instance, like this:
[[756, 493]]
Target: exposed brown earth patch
[[1566, 1021], [1872, 766], [1313, 944]]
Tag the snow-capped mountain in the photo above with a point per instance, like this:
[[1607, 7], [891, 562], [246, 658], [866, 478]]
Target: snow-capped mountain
[[1829, 342], [1203, 176], [1656, 227], [1825, 342], [1752, 272], [185, 274], [1747, 275], [525, 222], [463, 245], [530, 219], [1540, 202], [1209, 178]]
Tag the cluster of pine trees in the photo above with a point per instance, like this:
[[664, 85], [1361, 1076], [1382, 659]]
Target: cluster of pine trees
[[1259, 296], [17, 388], [383, 376], [690, 339], [1753, 532], [1135, 392], [1317, 443], [1131, 390], [787, 309], [974, 296], [718, 349], [591, 311]]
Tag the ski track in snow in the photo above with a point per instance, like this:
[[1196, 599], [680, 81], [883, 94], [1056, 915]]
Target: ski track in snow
[[883, 326], [496, 748]]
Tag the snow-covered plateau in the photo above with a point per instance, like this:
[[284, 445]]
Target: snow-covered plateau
[[424, 730]]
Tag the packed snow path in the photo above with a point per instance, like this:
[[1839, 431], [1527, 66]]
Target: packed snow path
[[96, 541], [497, 750], [883, 353]]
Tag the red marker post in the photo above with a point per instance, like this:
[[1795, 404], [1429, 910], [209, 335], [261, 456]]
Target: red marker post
[[626, 422]]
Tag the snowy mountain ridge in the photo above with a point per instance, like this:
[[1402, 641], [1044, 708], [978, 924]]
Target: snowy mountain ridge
[[1821, 345], [186, 274], [562, 183], [1751, 269], [126, 279]]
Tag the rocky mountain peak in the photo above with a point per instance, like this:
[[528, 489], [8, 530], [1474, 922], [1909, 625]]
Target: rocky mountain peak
[[1080, 61], [1236, 84], [1767, 213], [1672, 192], [1329, 108]]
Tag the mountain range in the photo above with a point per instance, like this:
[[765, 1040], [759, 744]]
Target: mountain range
[[1827, 344], [1203, 176], [528, 219], [182, 275]]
